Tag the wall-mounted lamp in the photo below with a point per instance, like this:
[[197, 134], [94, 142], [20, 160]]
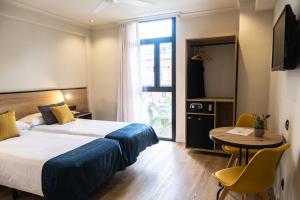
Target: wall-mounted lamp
[[68, 96]]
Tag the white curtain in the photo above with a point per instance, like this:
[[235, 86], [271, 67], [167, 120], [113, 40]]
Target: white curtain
[[130, 89]]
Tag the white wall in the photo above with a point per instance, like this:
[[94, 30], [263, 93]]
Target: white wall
[[255, 40], [14, 10], [40, 52], [105, 72], [284, 101]]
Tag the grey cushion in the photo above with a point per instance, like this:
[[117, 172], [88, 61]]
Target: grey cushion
[[47, 113]]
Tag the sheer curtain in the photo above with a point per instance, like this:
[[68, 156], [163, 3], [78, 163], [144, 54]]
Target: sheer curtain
[[130, 89]]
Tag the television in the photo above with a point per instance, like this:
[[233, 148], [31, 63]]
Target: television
[[284, 41]]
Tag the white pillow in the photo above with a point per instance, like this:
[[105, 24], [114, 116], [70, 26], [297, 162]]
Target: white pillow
[[33, 120], [22, 126]]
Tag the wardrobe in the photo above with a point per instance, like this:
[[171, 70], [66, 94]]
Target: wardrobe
[[211, 88]]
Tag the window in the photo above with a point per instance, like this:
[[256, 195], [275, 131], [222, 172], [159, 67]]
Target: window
[[158, 74], [156, 29], [147, 64], [165, 50]]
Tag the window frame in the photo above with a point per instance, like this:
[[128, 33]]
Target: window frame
[[156, 42], [157, 87]]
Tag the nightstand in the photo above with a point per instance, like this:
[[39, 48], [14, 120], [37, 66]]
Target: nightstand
[[83, 115]]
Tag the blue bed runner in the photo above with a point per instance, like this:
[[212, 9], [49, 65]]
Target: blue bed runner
[[133, 139], [75, 174]]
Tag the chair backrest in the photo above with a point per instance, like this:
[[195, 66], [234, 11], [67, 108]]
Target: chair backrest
[[246, 120], [259, 174]]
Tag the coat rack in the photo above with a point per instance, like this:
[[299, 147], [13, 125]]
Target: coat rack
[[200, 54]]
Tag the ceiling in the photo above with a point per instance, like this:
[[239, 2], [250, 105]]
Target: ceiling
[[83, 10]]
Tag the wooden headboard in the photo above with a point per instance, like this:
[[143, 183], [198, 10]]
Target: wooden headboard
[[25, 103]]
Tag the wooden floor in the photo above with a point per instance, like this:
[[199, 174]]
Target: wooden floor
[[166, 171]]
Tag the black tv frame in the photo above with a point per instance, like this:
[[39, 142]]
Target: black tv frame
[[290, 40]]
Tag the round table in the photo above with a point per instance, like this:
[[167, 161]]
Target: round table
[[269, 140]]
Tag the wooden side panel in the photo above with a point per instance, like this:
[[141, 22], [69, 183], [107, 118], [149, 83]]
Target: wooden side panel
[[224, 114], [76, 97], [25, 103]]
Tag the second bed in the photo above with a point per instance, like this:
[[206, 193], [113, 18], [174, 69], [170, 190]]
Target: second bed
[[133, 137]]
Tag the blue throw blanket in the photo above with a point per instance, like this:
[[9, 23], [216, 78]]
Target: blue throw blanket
[[133, 139], [75, 174]]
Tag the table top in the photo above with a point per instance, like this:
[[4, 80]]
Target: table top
[[269, 140]]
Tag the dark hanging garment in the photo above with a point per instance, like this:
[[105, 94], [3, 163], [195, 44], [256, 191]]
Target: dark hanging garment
[[195, 79]]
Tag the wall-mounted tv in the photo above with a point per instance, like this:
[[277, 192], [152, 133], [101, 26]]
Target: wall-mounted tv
[[284, 41]]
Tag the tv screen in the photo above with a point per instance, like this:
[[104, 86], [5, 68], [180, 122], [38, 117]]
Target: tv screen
[[284, 41], [279, 33]]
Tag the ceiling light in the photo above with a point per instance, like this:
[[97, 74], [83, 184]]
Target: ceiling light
[[115, 1], [92, 20]]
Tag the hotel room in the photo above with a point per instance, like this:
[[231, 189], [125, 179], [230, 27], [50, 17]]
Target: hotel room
[[149, 99]]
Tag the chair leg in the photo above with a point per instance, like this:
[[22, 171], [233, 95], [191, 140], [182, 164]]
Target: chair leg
[[219, 191], [236, 162], [244, 197], [223, 194], [231, 161], [265, 195]]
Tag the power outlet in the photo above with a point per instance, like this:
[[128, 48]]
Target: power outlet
[[287, 124], [282, 184]]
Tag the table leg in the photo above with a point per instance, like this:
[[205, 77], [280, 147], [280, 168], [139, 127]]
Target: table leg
[[247, 156], [241, 156]]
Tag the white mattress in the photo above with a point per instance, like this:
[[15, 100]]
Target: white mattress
[[22, 158], [83, 127]]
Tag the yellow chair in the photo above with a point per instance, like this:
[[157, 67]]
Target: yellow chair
[[255, 178], [245, 120]]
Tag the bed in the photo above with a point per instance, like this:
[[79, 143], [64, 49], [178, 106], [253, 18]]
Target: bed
[[58, 167], [133, 137]]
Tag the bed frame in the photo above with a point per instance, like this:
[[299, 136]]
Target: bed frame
[[25, 102]]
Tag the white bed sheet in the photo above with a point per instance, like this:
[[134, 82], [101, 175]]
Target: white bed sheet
[[83, 127], [22, 158]]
